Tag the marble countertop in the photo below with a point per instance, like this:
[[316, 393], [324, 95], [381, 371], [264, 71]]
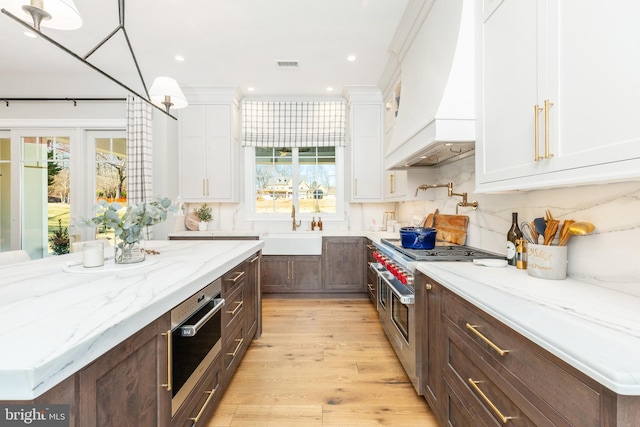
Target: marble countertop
[[249, 233], [594, 327], [56, 322]]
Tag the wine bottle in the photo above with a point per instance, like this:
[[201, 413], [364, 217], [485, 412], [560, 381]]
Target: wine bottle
[[320, 223], [513, 234]]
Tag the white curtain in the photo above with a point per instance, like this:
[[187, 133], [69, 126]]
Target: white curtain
[[293, 124], [139, 151]]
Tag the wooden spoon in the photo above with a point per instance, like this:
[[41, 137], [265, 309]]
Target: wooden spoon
[[550, 231], [564, 232]]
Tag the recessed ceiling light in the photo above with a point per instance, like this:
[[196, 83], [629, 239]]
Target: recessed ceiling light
[[179, 58], [31, 34], [329, 89], [351, 58], [250, 89]]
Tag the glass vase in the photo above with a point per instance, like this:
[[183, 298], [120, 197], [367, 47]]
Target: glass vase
[[128, 253]]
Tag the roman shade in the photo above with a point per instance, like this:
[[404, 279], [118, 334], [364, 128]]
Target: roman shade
[[293, 124]]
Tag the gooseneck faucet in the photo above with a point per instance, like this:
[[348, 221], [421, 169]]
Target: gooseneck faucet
[[464, 203], [293, 216]]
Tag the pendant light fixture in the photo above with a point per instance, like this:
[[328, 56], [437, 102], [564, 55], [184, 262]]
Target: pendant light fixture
[[54, 14], [166, 92]]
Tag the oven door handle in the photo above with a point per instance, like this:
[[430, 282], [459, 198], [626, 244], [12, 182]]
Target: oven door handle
[[191, 330], [405, 295], [373, 266]]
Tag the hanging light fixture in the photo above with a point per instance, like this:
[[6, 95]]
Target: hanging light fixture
[[165, 91], [54, 14]]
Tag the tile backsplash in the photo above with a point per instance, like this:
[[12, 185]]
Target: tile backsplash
[[609, 254]]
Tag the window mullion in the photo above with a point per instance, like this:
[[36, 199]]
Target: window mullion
[[295, 177]]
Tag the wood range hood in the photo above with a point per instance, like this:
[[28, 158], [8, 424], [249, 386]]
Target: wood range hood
[[435, 122]]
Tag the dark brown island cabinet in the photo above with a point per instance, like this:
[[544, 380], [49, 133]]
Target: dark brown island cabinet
[[128, 385], [476, 371]]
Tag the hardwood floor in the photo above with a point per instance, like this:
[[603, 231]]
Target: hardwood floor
[[321, 362]]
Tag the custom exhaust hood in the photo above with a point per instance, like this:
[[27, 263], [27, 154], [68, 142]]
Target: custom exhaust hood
[[435, 121]]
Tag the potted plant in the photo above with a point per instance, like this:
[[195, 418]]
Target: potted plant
[[59, 240], [204, 215], [129, 225]]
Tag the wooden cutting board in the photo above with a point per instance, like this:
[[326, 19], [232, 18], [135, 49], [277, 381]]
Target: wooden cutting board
[[428, 221], [451, 228]]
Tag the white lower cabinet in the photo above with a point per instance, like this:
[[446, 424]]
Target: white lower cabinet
[[559, 93]]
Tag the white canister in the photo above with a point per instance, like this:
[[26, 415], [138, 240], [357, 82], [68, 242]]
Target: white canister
[[547, 261], [93, 254]]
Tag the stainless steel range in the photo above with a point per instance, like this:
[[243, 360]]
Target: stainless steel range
[[395, 268]]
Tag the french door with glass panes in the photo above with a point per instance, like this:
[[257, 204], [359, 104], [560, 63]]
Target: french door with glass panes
[[62, 173], [46, 187]]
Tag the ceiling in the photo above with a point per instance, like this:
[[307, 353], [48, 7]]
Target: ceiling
[[225, 43]]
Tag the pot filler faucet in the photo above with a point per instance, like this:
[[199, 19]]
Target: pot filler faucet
[[293, 216], [464, 203]]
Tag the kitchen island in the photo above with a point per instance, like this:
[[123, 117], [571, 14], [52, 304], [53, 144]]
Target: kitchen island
[[57, 322]]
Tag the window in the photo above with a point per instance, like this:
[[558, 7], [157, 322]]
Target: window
[[306, 177], [5, 192], [294, 150], [110, 171], [46, 180]]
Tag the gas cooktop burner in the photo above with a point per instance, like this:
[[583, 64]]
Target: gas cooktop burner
[[441, 252]]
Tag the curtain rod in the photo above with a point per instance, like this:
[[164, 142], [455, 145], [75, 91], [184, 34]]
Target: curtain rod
[[84, 61], [74, 100]]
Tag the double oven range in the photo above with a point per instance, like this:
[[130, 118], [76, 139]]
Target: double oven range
[[395, 269]]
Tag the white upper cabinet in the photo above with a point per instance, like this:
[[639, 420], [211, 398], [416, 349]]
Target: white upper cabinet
[[366, 142], [208, 152], [559, 93]]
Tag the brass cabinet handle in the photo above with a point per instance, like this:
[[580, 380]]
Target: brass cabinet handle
[[493, 407], [428, 286], [370, 286], [237, 277], [255, 258], [240, 341], [371, 247], [498, 350], [547, 107], [168, 385], [391, 184], [211, 393], [238, 305], [536, 133]]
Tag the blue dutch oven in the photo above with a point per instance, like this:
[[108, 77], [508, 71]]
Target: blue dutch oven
[[418, 237]]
